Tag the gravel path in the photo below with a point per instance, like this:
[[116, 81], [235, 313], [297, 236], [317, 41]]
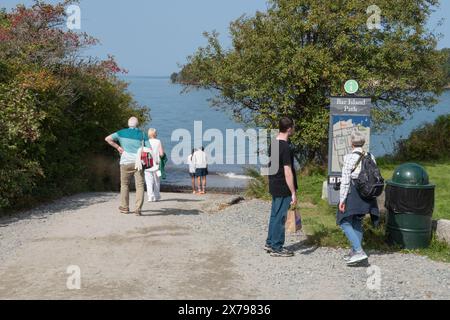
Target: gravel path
[[188, 247]]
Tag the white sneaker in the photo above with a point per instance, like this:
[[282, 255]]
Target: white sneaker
[[357, 258], [349, 255]]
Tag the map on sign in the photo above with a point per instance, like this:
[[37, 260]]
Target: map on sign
[[343, 127]]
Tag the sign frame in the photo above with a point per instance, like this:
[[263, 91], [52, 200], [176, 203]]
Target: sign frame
[[334, 178], [366, 112]]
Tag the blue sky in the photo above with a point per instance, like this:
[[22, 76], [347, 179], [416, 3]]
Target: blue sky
[[149, 37]]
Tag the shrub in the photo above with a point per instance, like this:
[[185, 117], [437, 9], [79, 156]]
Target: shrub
[[429, 142], [55, 109], [258, 187]]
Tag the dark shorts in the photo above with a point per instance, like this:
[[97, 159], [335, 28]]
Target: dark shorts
[[201, 172], [192, 174]]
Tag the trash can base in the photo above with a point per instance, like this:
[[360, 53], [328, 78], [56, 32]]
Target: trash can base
[[409, 231]]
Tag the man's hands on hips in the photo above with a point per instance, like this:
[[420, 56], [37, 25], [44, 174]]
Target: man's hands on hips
[[110, 141]]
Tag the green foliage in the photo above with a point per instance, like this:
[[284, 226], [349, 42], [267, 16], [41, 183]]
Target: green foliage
[[258, 187], [438, 250], [174, 77], [19, 128], [446, 51], [429, 142], [289, 60], [55, 109]]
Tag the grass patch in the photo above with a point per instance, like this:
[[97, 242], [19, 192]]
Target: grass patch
[[258, 187], [319, 219], [438, 251], [322, 231]]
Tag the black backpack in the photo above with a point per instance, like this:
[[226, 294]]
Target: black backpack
[[370, 183]]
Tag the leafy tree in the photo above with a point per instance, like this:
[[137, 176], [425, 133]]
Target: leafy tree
[[428, 142], [55, 106], [292, 58], [446, 51], [174, 77]]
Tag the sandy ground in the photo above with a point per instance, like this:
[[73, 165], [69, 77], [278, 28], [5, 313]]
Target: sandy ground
[[120, 256], [184, 247]]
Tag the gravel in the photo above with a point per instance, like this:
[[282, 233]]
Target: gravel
[[191, 248], [319, 273]]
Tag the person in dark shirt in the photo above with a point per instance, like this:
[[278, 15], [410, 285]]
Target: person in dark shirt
[[283, 188]]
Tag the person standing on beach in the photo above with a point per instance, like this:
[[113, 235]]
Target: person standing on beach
[[192, 170], [152, 175], [283, 188], [200, 162], [129, 140]]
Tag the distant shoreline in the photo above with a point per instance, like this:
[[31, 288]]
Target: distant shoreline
[[447, 87], [145, 77]]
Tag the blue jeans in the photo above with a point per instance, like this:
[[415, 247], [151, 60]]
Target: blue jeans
[[277, 228], [352, 227]]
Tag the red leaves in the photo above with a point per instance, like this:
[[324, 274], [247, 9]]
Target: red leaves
[[39, 35], [20, 15], [72, 39], [4, 34], [110, 65]]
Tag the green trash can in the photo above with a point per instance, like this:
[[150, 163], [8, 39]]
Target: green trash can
[[410, 206]]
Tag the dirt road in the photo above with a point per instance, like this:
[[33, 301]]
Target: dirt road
[[185, 247]]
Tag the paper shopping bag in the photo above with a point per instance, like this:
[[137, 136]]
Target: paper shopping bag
[[293, 221]]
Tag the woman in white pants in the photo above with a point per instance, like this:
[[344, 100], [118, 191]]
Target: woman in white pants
[[192, 170], [152, 175]]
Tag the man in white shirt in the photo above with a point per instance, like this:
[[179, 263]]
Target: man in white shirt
[[200, 162]]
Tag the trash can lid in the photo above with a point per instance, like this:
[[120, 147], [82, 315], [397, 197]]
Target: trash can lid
[[411, 175]]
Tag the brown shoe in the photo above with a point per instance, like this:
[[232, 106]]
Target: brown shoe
[[124, 210], [138, 213]]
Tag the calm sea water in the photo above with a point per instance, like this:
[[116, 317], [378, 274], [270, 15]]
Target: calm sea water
[[172, 110]]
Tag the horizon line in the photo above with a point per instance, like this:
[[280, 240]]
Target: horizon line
[[145, 76]]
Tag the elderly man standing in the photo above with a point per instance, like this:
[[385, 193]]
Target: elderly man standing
[[129, 141]]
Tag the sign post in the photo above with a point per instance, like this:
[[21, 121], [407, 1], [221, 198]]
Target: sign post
[[347, 114]]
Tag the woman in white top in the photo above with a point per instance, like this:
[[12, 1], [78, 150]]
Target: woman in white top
[[192, 170], [152, 175]]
